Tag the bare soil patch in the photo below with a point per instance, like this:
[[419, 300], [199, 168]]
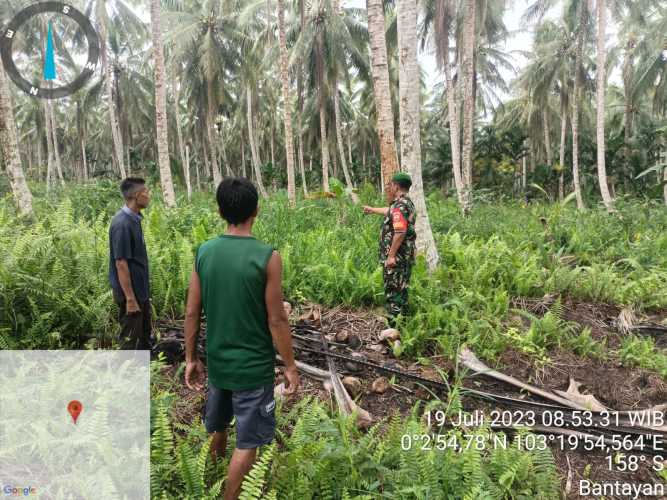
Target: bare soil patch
[[615, 386]]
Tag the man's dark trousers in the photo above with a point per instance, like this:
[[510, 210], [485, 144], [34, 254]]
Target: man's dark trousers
[[136, 327]]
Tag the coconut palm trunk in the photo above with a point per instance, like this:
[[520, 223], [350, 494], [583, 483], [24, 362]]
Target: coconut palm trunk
[[243, 169], [212, 112], [272, 141], [81, 132], [628, 76], [253, 144], [161, 108], [9, 148], [547, 136], [561, 152], [186, 168], [334, 157], [341, 149], [600, 98], [197, 165], [455, 135], [287, 104], [299, 90], [116, 136], [524, 173], [40, 160], [302, 168], [444, 14], [409, 115], [56, 147], [575, 113], [319, 63], [84, 161], [49, 146], [468, 102], [339, 135], [184, 154], [380, 71]]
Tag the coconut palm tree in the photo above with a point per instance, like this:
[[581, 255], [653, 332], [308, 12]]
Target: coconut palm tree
[[183, 149], [409, 112], [442, 19], [652, 67], [10, 149], [111, 17], [287, 105], [205, 40], [582, 17], [338, 68], [547, 74], [468, 101], [161, 107], [634, 23], [329, 41], [601, 84], [383, 106], [314, 37]]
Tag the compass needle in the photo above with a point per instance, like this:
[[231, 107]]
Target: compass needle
[[50, 60]]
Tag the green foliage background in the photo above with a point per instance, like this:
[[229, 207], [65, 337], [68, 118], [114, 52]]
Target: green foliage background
[[53, 270]]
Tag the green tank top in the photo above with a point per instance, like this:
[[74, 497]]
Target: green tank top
[[239, 348]]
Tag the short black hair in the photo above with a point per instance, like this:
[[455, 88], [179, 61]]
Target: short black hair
[[237, 199], [403, 184], [131, 185]]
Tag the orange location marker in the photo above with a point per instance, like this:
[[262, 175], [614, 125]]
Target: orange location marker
[[74, 408]]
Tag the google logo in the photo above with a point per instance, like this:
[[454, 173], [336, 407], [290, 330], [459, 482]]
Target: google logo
[[13, 491]]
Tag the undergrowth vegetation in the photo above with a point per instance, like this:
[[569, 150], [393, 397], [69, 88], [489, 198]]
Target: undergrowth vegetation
[[54, 291], [320, 455]]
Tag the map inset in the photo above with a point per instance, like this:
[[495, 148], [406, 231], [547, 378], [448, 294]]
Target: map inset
[[45, 454]]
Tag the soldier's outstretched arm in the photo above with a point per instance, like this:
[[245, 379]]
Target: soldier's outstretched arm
[[374, 210]]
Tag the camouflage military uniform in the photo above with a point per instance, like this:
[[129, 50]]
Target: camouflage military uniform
[[401, 216]]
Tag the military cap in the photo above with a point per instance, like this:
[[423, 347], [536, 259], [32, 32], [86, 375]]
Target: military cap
[[402, 178]]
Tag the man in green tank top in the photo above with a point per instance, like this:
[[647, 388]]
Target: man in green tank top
[[237, 281]]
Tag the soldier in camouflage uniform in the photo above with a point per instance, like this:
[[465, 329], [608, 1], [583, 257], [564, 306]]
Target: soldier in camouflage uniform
[[397, 243]]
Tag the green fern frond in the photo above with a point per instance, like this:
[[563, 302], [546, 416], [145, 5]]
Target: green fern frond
[[188, 471], [255, 481]]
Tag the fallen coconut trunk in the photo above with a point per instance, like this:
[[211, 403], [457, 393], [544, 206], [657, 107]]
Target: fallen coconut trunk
[[469, 360], [578, 401]]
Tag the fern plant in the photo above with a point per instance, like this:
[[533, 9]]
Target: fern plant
[[254, 484]]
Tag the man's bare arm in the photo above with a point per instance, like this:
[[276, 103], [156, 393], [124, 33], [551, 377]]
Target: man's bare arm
[[192, 317], [278, 321], [194, 369], [126, 285]]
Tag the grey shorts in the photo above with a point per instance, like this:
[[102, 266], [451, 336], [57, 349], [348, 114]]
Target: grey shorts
[[253, 409]]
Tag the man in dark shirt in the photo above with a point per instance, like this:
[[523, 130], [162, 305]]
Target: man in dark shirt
[[128, 266]]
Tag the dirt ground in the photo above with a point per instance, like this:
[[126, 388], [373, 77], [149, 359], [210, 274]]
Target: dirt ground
[[615, 386]]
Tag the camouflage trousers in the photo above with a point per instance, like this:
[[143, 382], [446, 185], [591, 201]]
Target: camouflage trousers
[[396, 284]]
